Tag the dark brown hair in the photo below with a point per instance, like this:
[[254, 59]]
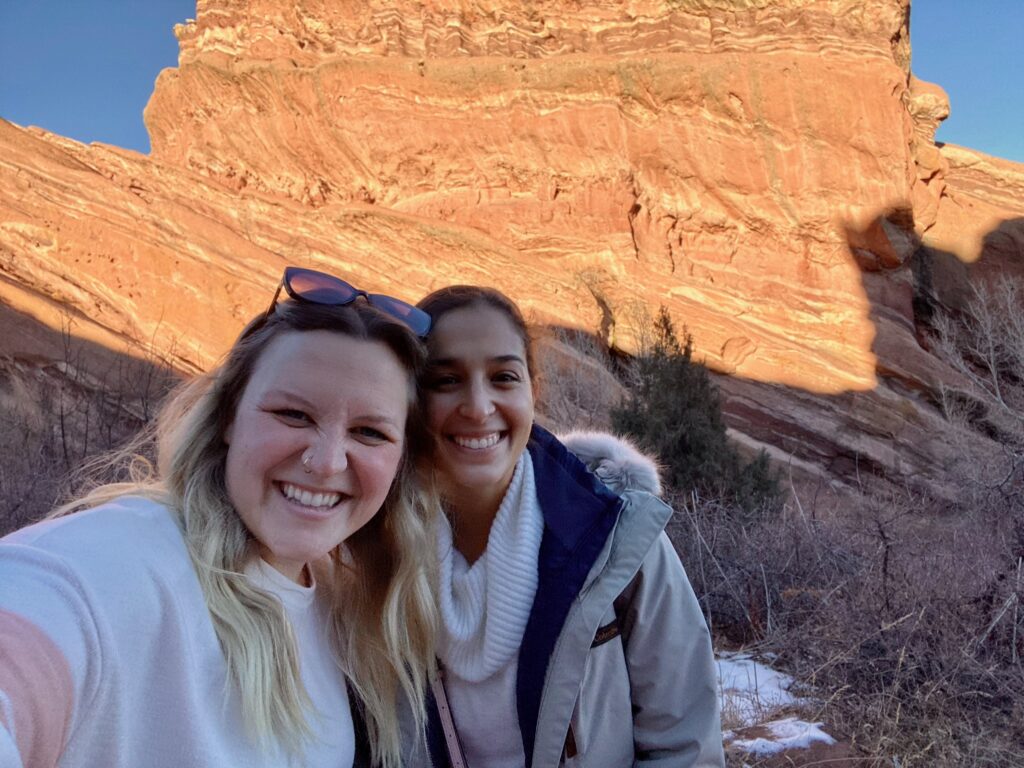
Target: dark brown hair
[[445, 300]]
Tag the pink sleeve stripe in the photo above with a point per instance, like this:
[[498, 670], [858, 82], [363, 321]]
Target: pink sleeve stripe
[[37, 681]]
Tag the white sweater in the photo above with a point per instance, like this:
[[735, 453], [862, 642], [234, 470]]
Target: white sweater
[[484, 611], [108, 655]]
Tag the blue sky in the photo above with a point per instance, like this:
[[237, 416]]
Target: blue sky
[[85, 68], [972, 48]]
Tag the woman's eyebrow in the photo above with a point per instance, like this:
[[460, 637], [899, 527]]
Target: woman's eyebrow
[[286, 394]]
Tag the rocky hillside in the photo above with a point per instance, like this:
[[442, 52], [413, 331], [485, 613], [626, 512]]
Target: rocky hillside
[[766, 169]]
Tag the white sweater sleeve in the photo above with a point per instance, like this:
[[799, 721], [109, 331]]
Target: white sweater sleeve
[[50, 654], [8, 750]]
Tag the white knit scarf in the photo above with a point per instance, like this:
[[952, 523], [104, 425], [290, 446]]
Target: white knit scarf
[[485, 608]]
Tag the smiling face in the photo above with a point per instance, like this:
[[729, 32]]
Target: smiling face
[[479, 404], [342, 402]]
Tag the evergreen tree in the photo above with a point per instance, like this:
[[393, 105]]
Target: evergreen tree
[[673, 409]]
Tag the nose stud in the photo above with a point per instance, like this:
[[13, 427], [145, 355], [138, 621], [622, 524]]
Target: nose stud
[[307, 456]]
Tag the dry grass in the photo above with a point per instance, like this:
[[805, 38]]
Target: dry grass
[[56, 416], [908, 628]]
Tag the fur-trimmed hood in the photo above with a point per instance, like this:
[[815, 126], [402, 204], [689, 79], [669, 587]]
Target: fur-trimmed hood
[[615, 460]]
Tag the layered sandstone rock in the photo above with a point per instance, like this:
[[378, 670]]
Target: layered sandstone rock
[[979, 232], [765, 170], [703, 155]]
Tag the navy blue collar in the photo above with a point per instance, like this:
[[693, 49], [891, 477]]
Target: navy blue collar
[[579, 514], [571, 497]]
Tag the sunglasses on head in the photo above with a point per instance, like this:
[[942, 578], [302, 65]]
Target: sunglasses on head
[[320, 288]]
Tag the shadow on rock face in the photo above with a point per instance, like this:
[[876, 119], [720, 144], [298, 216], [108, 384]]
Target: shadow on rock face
[[895, 434]]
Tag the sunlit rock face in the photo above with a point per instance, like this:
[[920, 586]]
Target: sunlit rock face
[[764, 169], [704, 155]]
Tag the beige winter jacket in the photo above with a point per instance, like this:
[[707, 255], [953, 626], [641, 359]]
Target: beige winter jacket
[[646, 696]]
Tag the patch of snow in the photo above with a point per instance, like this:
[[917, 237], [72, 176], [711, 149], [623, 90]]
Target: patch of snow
[[751, 691], [788, 733]]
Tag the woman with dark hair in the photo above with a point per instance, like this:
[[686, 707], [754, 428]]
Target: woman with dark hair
[[232, 606], [570, 635]]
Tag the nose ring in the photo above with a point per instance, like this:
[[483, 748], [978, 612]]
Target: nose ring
[[307, 456]]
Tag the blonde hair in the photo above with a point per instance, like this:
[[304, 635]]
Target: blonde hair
[[384, 616]]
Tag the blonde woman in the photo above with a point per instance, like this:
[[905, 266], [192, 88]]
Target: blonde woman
[[258, 600]]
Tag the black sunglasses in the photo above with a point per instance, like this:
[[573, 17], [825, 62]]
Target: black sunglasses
[[321, 288]]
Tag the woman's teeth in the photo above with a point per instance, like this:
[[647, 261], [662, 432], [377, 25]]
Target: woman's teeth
[[308, 498], [477, 443]]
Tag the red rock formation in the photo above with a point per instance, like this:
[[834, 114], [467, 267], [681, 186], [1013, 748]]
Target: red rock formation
[[704, 155], [979, 232], [764, 169]]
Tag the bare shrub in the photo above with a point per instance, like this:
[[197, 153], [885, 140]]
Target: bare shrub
[[984, 344], [908, 628], [55, 416], [577, 387]]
